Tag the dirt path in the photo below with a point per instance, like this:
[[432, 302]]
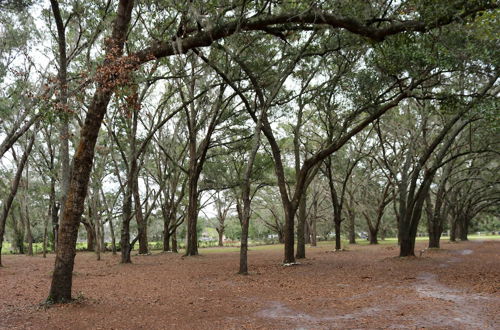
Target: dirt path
[[366, 287]]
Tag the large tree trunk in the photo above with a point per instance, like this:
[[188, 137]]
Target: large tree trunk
[[463, 229], [301, 228], [289, 238], [166, 238], [18, 227], [55, 224], [352, 228], [407, 247], [373, 232], [244, 215], [338, 242], [62, 279], [192, 217], [220, 231], [435, 231], [174, 241]]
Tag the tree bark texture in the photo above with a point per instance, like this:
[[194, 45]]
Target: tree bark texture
[[62, 279]]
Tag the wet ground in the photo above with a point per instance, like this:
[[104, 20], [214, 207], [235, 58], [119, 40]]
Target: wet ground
[[365, 287]]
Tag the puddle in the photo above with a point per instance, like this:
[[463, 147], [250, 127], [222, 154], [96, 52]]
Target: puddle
[[277, 310], [465, 310], [465, 252]]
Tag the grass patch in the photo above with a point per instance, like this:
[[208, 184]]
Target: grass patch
[[258, 246]]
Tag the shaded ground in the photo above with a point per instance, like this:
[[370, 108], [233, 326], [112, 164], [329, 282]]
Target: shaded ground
[[457, 287]]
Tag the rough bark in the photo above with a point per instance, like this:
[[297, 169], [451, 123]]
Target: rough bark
[[142, 227], [62, 280], [220, 232], [174, 241], [62, 105]]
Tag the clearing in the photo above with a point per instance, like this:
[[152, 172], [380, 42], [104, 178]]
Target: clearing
[[457, 287]]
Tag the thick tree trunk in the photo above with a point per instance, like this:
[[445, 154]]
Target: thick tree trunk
[[338, 242], [244, 215], [62, 279], [434, 236], [166, 238], [463, 229], [174, 241], [192, 217], [55, 224], [289, 238], [301, 226], [373, 235], [352, 228], [307, 232], [407, 247], [220, 231], [281, 237]]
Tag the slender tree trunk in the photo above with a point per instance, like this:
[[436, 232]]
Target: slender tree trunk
[[6, 205], [102, 241], [98, 236], [314, 232], [29, 235], [97, 221], [125, 247], [112, 233], [62, 279], [307, 232], [62, 103], [453, 229], [142, 227], [45, 231], [90, 229]]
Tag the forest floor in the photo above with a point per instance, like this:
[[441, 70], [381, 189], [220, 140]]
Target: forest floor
[[365, 287]]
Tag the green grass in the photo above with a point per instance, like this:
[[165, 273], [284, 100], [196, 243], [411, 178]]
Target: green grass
[[37, 247]]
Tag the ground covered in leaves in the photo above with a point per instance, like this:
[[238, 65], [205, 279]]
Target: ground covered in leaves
[[365, 287]]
